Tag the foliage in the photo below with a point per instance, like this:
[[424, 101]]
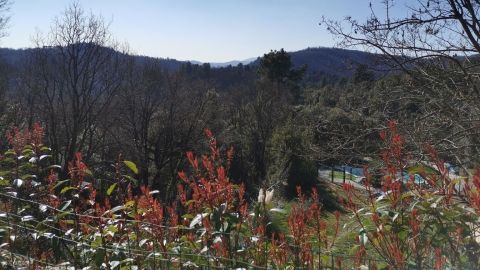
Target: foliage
[[434, 46], [72, 223], [144, 213], [211, 224], [290, 167], [414, 225]]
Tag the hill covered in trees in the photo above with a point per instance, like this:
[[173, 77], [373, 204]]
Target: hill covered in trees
[[336, 62]]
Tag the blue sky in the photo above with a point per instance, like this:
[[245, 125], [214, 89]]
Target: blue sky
[[203, 30]]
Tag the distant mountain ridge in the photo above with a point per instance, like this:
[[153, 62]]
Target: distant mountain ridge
[[320, 60], [234, 62], [333, 61]]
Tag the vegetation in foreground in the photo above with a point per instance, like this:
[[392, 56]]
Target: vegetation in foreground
[[47, 221]]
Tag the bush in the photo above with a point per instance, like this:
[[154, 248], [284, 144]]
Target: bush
[[48, 222], [417, 226], [68, 223]]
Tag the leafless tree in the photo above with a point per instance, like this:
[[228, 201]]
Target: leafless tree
[[186, 109], [7, 109], [138, 102], [159, 116], [436, 43], [73, 75], [4, 17]]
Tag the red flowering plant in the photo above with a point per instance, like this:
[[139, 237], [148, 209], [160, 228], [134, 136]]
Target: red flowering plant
[[26, 182], [312, 239], [214, 207], [44, 220], [406, 224], [25, 168], [423, 221]]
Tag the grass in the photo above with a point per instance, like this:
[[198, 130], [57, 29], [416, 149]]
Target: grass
[[339, 175]]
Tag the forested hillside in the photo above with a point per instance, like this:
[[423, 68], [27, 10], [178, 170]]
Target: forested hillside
[[103, 102]]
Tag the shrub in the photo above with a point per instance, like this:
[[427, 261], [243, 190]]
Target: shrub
[[48, 222], [413, 225], [68, 223]]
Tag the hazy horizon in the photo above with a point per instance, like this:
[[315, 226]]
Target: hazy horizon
[[210, 31]]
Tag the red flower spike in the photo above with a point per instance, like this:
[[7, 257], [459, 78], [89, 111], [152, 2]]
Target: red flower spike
[[37, 134], [208, 133]]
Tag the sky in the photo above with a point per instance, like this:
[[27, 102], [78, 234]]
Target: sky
[[202, 30]]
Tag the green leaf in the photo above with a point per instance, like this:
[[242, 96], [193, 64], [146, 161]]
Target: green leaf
[[44, 156], [114, 264], [99, 256], [188, 216], [111, 189], [29, 176], [362, 237], [88, 172], [62, 215], [54, 167], [197, 220], [142, 242], [402, 235], [117, 208], [278, 210], [3, 182], [59, 183], [10, 153], [65, 189], [112, 228], [189, 202], [27, 151], [129, 204], [131, 179], [131, 166], [65, 205]]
